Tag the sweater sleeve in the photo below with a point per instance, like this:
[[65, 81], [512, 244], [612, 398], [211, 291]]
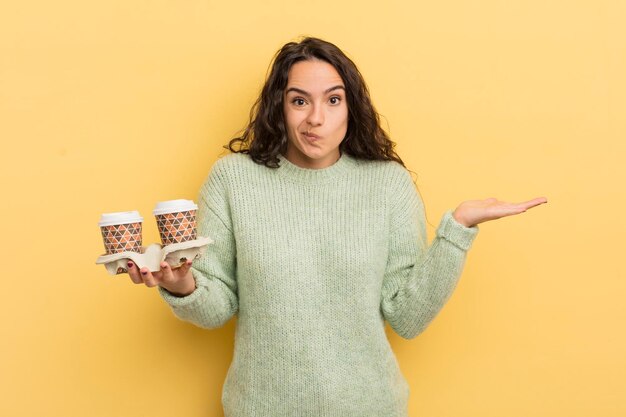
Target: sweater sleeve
[[419, 279], [215, 299]]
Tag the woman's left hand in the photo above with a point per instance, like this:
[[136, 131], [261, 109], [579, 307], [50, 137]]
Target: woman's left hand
[[472, 212]]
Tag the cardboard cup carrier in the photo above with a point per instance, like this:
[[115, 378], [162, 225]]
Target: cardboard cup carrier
[[176, 222]]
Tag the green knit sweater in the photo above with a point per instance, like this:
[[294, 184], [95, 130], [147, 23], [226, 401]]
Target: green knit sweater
[[312, 262]]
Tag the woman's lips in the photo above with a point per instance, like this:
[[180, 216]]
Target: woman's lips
[[311, 136]]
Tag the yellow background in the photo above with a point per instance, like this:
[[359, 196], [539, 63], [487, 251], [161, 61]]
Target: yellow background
[[113, 106]]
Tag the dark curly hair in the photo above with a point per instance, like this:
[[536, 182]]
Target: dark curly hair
[[266, 136]]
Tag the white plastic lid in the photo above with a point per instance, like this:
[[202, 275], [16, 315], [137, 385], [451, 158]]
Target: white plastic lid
[[120, 217], [174, 206]]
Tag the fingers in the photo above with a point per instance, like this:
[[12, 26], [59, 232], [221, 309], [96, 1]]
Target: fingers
[[166, 275], [184, 268], [510, 209], [532, 203], [133, 271], [148, 278], [537, 201], [141, 276]]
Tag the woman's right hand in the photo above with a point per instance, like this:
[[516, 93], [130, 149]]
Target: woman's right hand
[[178, 281]]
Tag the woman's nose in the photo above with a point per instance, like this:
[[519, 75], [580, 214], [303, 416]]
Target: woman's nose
[[316, 115]]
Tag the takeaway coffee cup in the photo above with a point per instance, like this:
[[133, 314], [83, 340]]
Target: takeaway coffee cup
[[176, 220], [121, 231]]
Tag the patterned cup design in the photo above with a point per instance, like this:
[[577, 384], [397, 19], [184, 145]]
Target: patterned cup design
[[122, 237], [177, 227]]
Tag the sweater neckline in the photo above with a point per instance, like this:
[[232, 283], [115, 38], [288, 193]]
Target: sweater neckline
[[296, 173]]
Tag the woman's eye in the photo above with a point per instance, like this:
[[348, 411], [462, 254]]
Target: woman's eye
[[335, 100], [298, 101]]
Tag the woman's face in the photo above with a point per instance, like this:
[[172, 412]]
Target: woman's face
[[316, 114]]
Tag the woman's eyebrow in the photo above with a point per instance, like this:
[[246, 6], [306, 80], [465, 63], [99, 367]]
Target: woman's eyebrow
[[305, 93]]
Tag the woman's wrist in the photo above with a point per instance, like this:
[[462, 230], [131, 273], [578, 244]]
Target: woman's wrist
[[184, 288], [459, 219]]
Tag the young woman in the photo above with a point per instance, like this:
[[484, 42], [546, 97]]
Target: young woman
[[319, 238]]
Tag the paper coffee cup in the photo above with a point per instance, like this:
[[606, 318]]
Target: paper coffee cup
[[121, 231], [176, 220]]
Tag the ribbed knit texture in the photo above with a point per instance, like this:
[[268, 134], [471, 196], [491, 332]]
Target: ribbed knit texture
[[313, 262]]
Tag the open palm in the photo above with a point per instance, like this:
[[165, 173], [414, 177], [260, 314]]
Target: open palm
[[472, 212]]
